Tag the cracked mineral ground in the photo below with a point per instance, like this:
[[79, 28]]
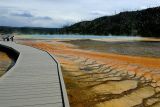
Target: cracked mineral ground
[[107, 74]]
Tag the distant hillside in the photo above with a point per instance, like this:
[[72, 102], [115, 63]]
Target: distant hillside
[[145, 23], [28, 30]]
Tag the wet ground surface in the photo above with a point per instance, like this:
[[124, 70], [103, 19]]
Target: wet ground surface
[[5, 62], [95, 79], [134, 48], [107, 86]]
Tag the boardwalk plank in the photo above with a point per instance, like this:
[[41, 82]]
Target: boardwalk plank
[[33, 81]]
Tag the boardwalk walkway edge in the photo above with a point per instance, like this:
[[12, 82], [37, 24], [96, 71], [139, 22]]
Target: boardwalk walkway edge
[[65, 101], [62, 84]]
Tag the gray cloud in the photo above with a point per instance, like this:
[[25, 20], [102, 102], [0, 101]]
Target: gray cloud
[[97, 12], [56, 13], [30, 22], [24, 18], [27, 14], [43, 18], [8, 21], [22, 14]]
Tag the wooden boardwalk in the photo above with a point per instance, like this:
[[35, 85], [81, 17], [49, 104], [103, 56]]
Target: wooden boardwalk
[[35, 80]]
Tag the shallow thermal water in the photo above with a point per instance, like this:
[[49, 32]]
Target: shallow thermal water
[[38, 36]]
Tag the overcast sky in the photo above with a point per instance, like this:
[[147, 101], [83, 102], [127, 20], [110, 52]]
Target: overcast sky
[[57, 13]]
